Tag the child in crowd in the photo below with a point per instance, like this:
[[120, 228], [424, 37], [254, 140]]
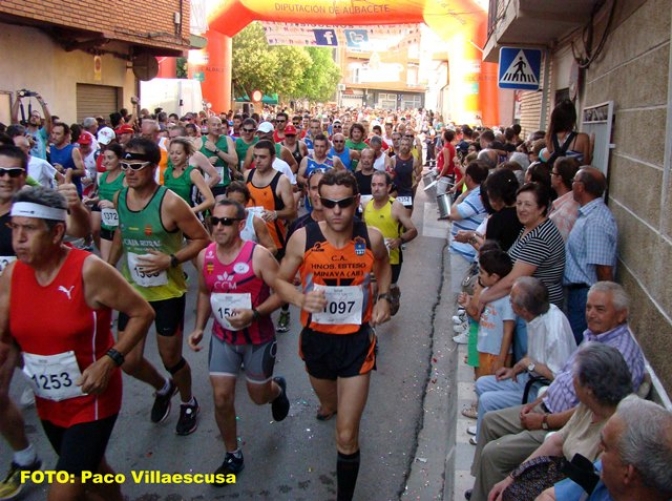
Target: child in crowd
[[496, 323]]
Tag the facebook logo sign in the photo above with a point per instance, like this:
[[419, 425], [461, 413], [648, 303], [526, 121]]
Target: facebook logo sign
[[326, 38]]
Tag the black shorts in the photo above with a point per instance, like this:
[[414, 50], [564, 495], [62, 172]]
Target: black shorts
[[396, 271], [80, 447], [107, 234], [169, 316], [218, 190], [330, 356]]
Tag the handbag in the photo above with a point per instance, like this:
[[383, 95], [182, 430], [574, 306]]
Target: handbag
[[533, 477]]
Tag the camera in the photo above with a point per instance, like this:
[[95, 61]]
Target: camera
[[27, 93]]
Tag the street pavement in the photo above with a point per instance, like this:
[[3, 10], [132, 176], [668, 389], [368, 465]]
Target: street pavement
[[407, 436]]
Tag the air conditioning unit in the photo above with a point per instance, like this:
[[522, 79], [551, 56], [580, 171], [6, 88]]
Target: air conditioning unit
[[341, 87]]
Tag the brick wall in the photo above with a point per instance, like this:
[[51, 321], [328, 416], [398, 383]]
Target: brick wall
[[126, 20]]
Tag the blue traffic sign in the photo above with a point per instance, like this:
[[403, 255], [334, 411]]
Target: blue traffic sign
[[519, 68], [326, 38]]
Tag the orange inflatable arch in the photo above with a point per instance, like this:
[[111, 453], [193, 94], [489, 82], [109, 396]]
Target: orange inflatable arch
[[462, 23]]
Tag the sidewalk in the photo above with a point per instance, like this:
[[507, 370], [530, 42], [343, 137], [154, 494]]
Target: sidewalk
[[464, 450]]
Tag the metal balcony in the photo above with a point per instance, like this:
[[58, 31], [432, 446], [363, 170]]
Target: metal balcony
[[533, 23]]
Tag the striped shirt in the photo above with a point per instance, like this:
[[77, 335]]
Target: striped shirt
[[561, 395], [472, 212], [544, 248], [591, 242]]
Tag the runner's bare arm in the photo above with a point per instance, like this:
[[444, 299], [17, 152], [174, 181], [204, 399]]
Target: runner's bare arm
[[263, 235], [287, 156], [205, 191], [383, 272], [401, 215], [80, 170], [203, 307], [105, 287], [6, 339], [284, 191], [201, 161], [78, 223], [176, 213]]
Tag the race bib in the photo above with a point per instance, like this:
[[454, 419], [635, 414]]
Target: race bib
[[6, 261], [223, 305], [142, 278], [110, 217], [406, 201], [53, 377], [344, 305]]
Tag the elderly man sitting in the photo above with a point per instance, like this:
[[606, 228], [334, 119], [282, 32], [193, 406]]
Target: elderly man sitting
[[636, 457], [508, 436], [549, 344]]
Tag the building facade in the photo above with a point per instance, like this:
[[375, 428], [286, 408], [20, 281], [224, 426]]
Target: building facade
[[621, 84], [85, 58]]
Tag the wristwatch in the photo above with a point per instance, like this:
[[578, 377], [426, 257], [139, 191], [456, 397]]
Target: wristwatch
[[116, 357], [174, 262], [255, 315], [385, 295], [530, 368]]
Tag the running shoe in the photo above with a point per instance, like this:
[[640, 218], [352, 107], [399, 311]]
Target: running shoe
[[463, 327], [161, 407], [283, 322], [459, 319], [231, 465], [11, 486], [395, 294], [462, 338], [471, 430], [187, 423], [280, 406]]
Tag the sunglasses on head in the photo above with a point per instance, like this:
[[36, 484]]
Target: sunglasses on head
[[12, 172], [226, 221], [343, 203], [135, 167]]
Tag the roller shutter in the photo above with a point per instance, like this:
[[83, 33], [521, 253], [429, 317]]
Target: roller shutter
[[94, 100]]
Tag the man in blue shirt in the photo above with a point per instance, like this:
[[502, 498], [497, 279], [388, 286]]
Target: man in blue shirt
[[591, 246]]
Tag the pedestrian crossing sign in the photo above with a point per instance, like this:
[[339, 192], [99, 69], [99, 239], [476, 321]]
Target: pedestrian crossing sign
[[519, 68]]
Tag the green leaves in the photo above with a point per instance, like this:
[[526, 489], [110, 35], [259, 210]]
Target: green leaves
[[292, 72]]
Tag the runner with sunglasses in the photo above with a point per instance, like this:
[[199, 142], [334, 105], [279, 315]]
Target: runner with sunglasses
[[153, 222], [246, 140], [234, 281], [336, 258]]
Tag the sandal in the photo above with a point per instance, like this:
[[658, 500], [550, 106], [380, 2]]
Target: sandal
[[324, 417], [470, 412]]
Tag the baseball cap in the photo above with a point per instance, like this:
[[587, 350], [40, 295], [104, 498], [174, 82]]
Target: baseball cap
[[290, 129], [266, 127], [85, 138], [124, 129], [337, 121], [106, 135]]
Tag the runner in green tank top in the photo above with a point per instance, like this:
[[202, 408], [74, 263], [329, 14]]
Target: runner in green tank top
[[152, 224], [186, 180], [221, 151], [104, 218]]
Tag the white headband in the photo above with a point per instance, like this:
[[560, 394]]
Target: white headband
[[29, 209]]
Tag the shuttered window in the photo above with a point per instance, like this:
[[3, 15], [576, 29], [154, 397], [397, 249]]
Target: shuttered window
[[94, 100]]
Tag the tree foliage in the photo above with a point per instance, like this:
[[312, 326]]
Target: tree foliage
[[292, 72]]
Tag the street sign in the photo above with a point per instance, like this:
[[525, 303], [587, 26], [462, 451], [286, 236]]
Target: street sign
[[519, 68], [326, 38], [356, 38]]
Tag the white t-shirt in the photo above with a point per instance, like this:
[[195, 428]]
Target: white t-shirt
[[550, 340], [282, 166], [42, 172]]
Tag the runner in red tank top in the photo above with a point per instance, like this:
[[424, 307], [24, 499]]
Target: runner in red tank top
[[336, 258], [73, 369], [234, 285]]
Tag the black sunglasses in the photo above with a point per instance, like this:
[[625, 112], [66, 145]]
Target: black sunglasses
[[343, 203], [12, 172], [248, 130], [226, 221]]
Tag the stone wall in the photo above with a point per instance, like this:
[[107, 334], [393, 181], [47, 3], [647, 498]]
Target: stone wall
[[635, 72]]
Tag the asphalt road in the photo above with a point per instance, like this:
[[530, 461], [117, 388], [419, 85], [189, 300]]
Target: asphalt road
[[296, 459]]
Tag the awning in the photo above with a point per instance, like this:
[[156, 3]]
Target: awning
[[272, 99]]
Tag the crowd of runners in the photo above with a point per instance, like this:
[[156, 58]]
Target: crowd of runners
[[324, 199]]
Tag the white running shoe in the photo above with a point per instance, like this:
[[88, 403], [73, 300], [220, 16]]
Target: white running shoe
[[459, 319], [471, 430], [463, 327], [462, 338]]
